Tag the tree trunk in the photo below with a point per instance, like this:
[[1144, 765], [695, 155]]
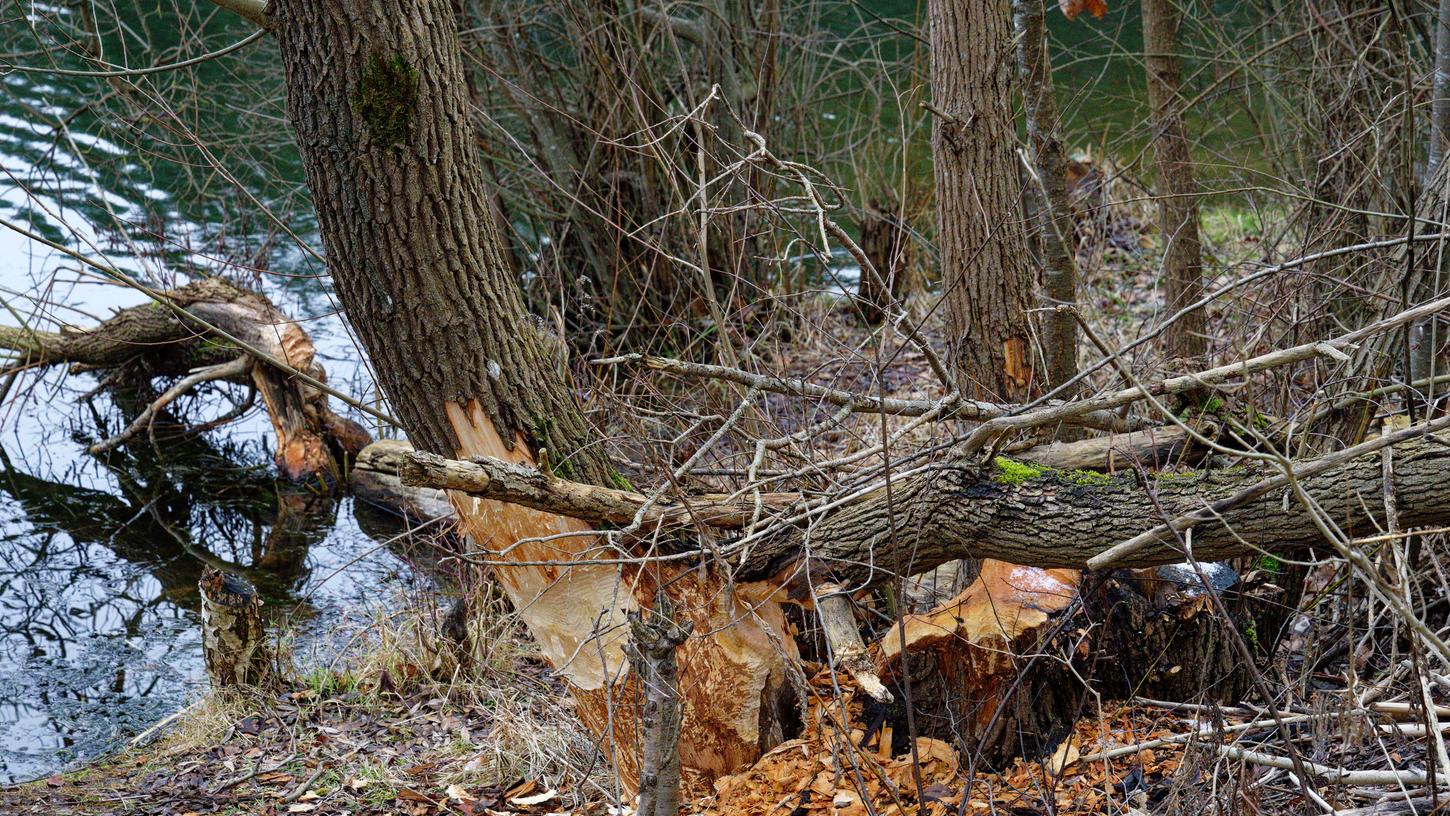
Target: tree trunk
[[377, 97], [1176, 191], [986, 277], [233, 637], [886, 240], [1044, 136]]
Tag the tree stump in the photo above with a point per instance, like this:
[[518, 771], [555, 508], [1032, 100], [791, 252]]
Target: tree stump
[[233, 638], [886, 241]]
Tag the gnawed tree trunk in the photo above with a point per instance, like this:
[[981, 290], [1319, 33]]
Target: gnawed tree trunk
[[233, 637], [377, 97], [1001, 668], [986, 279], [886, 240], [1176, 191], [181, 336]]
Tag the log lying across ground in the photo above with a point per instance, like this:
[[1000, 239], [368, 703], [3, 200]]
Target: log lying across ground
[[1006, 510], [185, 340]]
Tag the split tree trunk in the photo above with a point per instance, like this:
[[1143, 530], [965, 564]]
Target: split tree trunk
[[986, 277], [1176, 191], [377, 96]]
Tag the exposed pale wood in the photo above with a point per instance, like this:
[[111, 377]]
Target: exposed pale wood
[[233, 637], [838, 619]]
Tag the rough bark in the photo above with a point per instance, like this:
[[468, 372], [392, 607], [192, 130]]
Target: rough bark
[[1023, 513], [1176, 190], [378, 100], [233, 637], [1049, 160], [652, 648], [986, 277]]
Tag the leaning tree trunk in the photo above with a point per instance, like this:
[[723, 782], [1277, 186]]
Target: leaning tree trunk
[[1176, 191], [985, 270], [377, 96]]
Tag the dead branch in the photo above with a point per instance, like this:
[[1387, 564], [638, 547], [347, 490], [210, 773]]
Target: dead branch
[[226, 371]]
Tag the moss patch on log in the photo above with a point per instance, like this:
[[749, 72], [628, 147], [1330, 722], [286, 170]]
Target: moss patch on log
[[386, 98], [1012, 472]]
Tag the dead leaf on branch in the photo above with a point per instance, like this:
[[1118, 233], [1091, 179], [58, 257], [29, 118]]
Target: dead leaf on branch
[[1072, 8]]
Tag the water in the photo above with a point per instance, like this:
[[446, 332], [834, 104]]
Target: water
[[99, 557]]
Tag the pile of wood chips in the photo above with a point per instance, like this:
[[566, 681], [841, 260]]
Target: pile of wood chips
[[836, 768]]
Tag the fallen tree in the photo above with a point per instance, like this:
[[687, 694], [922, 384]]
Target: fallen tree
[[1007, 510], [207, 331]]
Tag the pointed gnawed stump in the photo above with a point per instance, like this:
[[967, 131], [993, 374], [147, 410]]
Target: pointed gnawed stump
[[233, 639]]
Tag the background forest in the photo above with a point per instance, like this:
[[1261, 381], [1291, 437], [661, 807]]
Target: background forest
[[839, 406]]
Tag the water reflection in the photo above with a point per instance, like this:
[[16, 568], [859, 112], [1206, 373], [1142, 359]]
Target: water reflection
[[98, 572]]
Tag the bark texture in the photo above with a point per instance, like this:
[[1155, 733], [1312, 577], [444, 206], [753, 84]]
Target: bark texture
[[377, 96], [1176, 190], [233, 637], [985, 273], [1049, 160], [886, 240]]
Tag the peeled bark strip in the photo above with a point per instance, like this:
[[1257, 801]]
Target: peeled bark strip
[[233, 637], [985, 269]]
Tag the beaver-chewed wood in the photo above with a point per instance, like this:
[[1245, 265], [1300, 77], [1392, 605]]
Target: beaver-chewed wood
[[233, 637]]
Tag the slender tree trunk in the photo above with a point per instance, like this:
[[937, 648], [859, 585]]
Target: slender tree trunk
[[1177, 193], [1044, 136], [1440, 108], [377, 96], [985, 268]]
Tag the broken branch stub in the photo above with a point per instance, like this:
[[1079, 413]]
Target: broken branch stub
[[654, 640]]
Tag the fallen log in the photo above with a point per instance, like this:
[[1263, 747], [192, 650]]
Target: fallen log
[[152, 340], [376, 479], [1008, 510]]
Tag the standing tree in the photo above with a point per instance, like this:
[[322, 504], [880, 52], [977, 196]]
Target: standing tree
[[1176, 191], [377, 96], [985, 267], [1049, 160]]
